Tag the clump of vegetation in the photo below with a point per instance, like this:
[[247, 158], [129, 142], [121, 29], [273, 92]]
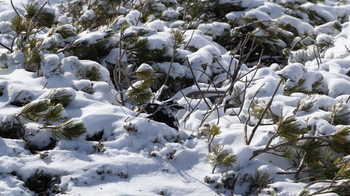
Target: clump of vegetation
[[221, 156], [62, 96], [42, 110], [339, 114], [259, 181], [140, 91], [39, 14], [43, 183], [10, 129], [208, 180], [258, 109], [209, 131], [310, 155], [99, 147], [22, 97]]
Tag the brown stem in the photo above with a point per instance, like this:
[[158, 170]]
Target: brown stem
[[248, 117], [37, 13], [247, 142], [214, 168], [14, 9], [258, 152], [195, 81], [263, 113], [6, 47]]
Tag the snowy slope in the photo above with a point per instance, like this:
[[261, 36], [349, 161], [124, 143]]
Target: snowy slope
[[125, 153]]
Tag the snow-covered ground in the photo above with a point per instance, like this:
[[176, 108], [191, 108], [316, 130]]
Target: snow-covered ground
[[138, 156]]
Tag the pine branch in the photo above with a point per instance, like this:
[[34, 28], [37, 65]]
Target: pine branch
[[68, 130], [294, 141]]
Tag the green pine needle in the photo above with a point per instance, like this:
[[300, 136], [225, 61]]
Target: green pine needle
[[91, 73], [213, 129], [341, 143], [220, 156], [139, 95], [69, 130], [31, 9], [54, 112], [304, 193], [65, 32], [258, 109], [339, 114], [62, 96], [145, 74], [35, 109], [337, 25], [289, 129], [18, 24], [260, 180], [298, 87]]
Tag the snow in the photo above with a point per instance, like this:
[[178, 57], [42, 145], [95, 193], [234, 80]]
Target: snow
[[326, 29], [158, 25], [176, 70], [88, 15], [216, 29], [169, 15], [134, 16], [301, 26], [323, 13], [134, 154], [144, 67]]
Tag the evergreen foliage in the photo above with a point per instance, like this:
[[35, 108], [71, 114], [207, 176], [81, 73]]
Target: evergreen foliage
[[33, 54], [259, 180], [289, 129], [140, 92], [62, 96], [36, 13], [66, 31], [90, 72], [35, 110], [221, 156], [84, 49], [339, 114], [68, 130]]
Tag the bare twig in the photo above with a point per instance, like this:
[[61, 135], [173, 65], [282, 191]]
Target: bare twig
[[117, 75], [310, 177], [263, 113], [66, 48], [184, 96], [316, 56], [267, 148], [347, 48], [37, 13], [195, 81], [248, 117], [170, 66], [14, 9], [239, 65], [295, 44], [189, 40], [6, 47]]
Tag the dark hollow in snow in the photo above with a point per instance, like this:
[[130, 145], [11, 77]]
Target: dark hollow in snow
[[165, 113]]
